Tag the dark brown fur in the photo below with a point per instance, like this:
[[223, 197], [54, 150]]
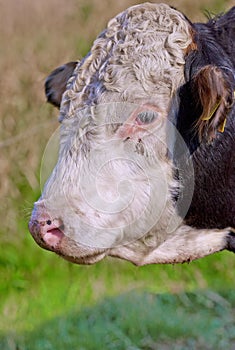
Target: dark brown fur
[[213, 203], [205, 102]]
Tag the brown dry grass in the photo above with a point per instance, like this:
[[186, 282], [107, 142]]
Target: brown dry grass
[[35, 37]]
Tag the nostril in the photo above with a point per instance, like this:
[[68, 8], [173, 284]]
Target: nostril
[[49, 222]]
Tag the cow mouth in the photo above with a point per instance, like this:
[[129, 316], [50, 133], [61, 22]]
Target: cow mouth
[[53, 237], [50, 236]]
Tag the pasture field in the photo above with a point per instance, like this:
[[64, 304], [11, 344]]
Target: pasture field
[[47, 303]]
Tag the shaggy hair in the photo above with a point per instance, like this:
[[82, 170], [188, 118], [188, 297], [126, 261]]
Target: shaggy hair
[[139, 55]]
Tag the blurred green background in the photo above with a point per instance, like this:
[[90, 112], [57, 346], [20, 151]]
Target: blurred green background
[[45, 302]]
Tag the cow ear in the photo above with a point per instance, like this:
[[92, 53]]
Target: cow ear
[[215, 94], [56, 82]]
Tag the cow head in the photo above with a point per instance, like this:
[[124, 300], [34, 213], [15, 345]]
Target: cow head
[[115, 181]]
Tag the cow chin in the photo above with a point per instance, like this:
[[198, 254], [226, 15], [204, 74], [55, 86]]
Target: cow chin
[[78, 254], [72, 251], [49, 235]]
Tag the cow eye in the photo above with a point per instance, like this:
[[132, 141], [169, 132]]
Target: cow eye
[[147, 117]]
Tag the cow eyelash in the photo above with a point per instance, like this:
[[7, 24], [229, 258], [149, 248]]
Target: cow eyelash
[[147, 117]]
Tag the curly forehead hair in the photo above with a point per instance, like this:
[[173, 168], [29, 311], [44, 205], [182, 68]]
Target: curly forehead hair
[[140, 55]]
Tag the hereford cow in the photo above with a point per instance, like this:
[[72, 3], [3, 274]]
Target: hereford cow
[[146, 165]]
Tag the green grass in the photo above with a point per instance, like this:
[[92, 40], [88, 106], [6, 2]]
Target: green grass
[[48, 303], [134, 320]]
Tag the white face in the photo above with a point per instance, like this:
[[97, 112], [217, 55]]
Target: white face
[[111, 162], [113, 180]]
